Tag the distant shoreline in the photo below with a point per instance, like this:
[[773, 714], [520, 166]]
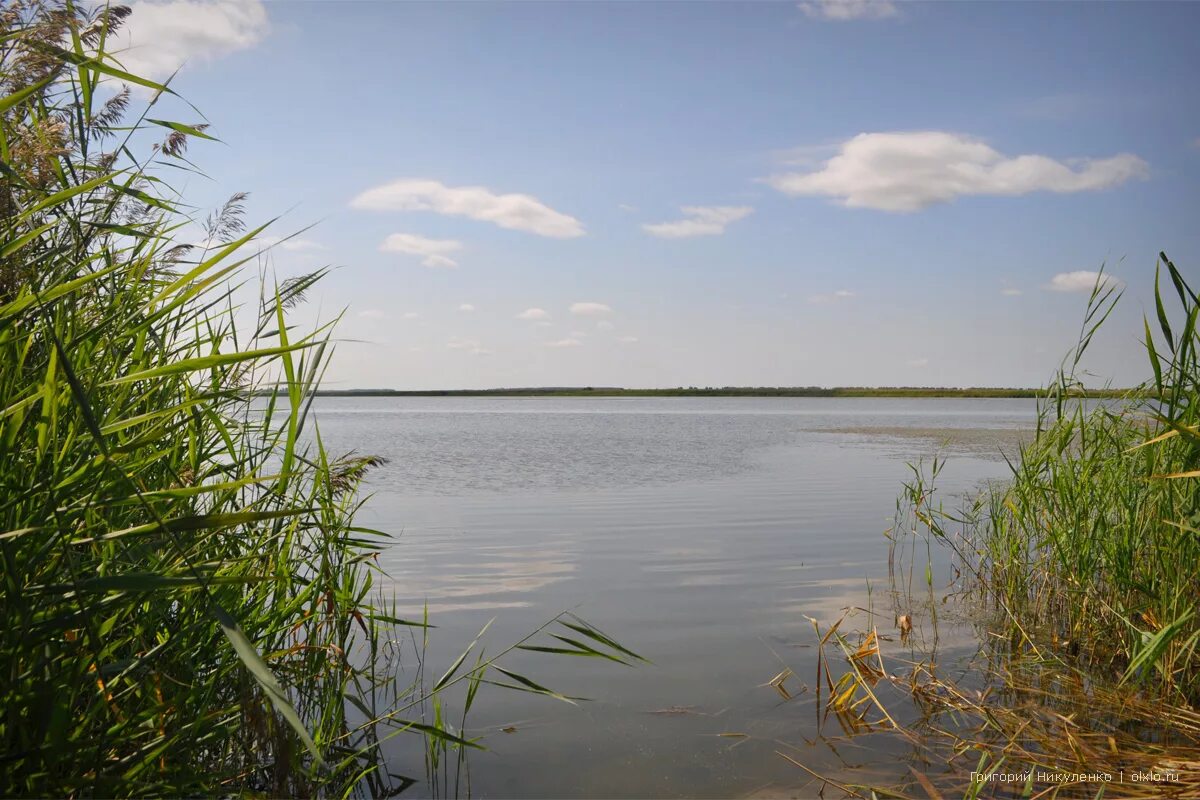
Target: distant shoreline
[[724, 391]]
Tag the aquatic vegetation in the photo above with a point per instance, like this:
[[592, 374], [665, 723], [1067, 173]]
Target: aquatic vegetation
[[1080, 575], [188, 606], [1003, 726], [1092, 548]]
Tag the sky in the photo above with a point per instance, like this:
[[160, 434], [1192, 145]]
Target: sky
[[835, 193]]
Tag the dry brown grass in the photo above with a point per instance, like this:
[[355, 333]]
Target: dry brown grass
[[1027, 715]]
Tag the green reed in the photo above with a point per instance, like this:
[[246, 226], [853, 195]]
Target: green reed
[[1080, 575], [1090, 553], [187, 605]]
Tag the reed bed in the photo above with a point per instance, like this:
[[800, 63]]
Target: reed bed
[[188, 606], [1080, 576], [1092, 548], [1016, 727]]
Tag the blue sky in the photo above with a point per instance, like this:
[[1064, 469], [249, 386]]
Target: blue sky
[[644, 194]]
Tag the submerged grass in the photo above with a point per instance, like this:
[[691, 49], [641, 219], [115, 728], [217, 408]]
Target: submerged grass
[[1081, 577], [187, 604], [1092, 548], [1002, 726]]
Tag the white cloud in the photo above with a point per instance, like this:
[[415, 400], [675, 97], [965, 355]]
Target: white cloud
[[1011, 292], [291, 244], [372, 313], [604, 325], [471, 346], [918, 362], [701, 221], [534, 314], [628, 340], [518, 212], [805, 155], [433, 251], [912, 171], [572, 342], [590, 309], [823, 299], [466, 307], [626, 207], [1081, 280], [846, 10], [578, 334], [160, 36], [411, 315]]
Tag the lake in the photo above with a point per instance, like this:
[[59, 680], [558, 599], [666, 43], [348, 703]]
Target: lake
[[700, 532]]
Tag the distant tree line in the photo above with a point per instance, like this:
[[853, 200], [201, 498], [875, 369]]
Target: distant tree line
[[722, 391]]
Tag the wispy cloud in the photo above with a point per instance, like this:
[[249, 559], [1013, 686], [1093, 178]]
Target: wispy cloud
[[160, 36], [534, 314], [411, 315], [471, 346], [372, 313], [805, 155], [292, 244], [918, 362], [466, 307], [518, 212], [832, 297], [1081, 280], [628, 340], [912, 171], [700, 221], [590, 309], [1010, 292], [847, 10], [570, 342], [432, 251], [604, 325]]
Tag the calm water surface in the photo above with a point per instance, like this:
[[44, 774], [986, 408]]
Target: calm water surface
[[699, 531]]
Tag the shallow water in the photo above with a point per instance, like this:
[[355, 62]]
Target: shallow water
[[700, 532]]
